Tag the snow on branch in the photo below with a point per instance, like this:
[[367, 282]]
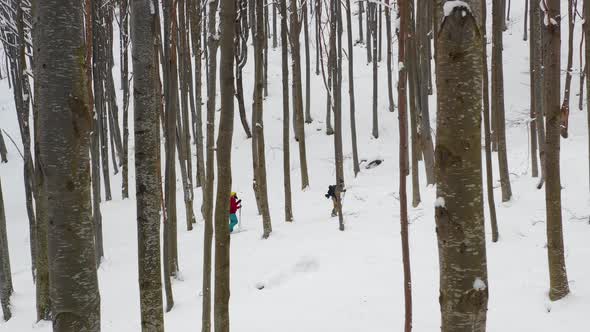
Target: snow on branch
[[450, 6]]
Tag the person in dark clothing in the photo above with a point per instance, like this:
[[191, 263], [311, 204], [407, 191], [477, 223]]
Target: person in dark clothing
[[332, 194]]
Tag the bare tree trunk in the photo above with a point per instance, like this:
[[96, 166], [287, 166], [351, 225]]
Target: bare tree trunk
[[498, 97], [258, 122], [65, 123], [297, 94], [486, 125], [241, 55], [147, 161], [6, 288], [360, 15], [423, 74], [355, 154], [224, 169], [336, 46], [538, 75], [171, 106], [459, 211], [565, 107], [555, 249], [412, 71], [587, 58], [388, 40], [372, 14], [308, 118], [196, 14], [124, 59], [403, 155], [3, 152], [286, 137], [533, 74], [213, 44]]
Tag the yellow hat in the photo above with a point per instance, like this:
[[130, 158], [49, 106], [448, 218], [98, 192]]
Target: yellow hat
[[233, 193]]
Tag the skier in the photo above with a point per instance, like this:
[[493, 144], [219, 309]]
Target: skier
[[234, 205]]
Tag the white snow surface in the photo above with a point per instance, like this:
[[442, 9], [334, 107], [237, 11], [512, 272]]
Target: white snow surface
[[449, 6], [316, 278], [479, 284]]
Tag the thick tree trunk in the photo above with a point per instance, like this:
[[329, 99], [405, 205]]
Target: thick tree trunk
[[459, 206], [538, 75], [147, 161], [555, 249], [224, 169], [65, 123]]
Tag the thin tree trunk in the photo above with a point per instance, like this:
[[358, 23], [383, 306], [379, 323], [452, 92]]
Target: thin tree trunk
[[555, 248], [372, 13], [258, 123], [498, 97], [486, 125], [297, 94], [212, 45], [3, 152], [389, 42], [565, 106], [587, 58], [355, 154], [196, 13], [308, 118], [286, 137], [533, 89], [459, 212], [124, 59], [6, 288], [64, 142], [403, 162]]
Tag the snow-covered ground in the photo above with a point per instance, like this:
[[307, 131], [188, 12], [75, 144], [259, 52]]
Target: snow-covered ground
[[317, 278]]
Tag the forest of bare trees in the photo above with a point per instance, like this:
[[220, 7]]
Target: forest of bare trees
[[186, 68]]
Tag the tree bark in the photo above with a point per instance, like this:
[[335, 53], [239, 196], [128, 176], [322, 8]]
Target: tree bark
[[486, 125], [6, 288], [258, 122], [297, 93], [498, 97], [286, 137], [355, 154], [65, 122], [212, 44], [459, 209], [224, 170], [555, 249], [403, 156], [565, 107], [147, 161]]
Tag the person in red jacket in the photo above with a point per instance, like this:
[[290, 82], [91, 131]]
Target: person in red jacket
[[234, 205]]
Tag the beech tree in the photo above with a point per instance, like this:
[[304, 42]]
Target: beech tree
[[224, 169], [64, 139], [147, 164], [459, 207], [559, 287]]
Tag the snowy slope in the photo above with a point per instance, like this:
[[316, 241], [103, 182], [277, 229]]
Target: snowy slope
[[317, 278]]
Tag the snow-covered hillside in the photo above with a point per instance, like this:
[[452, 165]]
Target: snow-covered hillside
[[316, 278]]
